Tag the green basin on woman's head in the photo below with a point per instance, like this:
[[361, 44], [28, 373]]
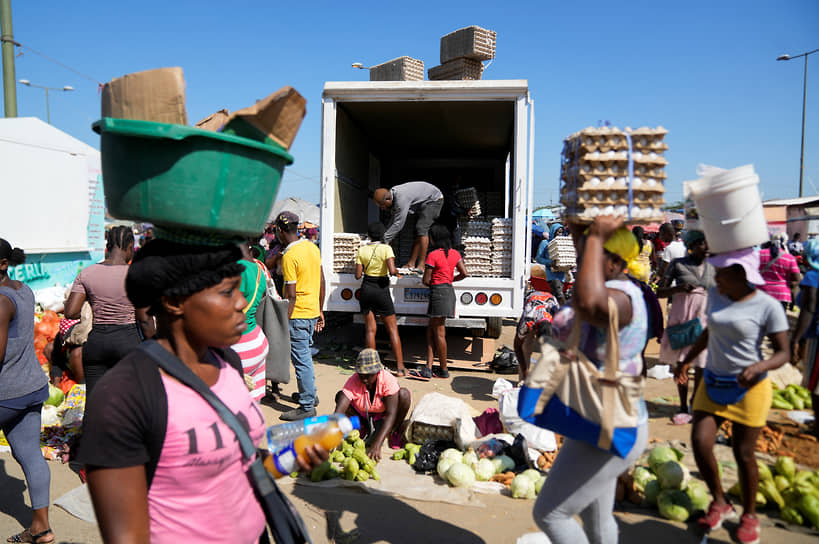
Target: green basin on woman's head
[[185, 177]]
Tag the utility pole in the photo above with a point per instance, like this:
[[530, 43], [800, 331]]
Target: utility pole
[[7, 42]]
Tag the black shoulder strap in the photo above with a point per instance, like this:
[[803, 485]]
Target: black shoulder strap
[[287, 527]]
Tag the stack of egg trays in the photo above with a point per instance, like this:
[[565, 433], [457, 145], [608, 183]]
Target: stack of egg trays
[[595, 173], [468, 199], [502, 247], [562, 253], [478, 255], [345, 249]]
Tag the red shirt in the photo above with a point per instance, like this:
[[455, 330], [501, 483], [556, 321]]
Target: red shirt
[[359, 396], [443, 266]]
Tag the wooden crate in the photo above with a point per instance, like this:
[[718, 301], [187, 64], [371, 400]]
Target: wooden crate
[[460, 68], [472, 42], [400, 69]]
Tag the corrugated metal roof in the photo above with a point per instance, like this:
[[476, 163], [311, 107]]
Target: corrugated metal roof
[[792, 201]]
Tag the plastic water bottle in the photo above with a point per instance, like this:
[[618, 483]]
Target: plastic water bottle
[[279, 436], [327, 433]]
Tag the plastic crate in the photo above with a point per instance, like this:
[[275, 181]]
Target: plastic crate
[[461, 68], [472, 42], [185, 177], [400, 69]]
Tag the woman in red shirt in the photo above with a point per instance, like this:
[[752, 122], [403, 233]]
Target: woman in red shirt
[[439, 273]]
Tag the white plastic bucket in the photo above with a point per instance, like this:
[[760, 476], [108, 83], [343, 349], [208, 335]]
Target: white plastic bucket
[[692, 218], [730, 209]]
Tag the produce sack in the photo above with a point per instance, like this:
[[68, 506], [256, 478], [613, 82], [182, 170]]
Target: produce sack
[[566, 393], [541, 439], [435, 409]]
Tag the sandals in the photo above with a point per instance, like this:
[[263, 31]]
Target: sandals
[[35, 538], [401, 373], [423, 375], [440, 373]]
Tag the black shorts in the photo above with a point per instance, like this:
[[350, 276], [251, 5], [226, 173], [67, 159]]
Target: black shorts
[[441, 300], [427, 215], [375, 296]]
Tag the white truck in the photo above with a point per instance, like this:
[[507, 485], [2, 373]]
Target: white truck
[[380, 134]]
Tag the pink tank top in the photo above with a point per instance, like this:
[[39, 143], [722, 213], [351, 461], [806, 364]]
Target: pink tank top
[[200, 492]]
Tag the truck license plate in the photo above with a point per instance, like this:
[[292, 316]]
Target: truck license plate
[[416, 294]]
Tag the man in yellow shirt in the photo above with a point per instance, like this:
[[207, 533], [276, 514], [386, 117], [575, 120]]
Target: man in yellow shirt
[[304, 289]]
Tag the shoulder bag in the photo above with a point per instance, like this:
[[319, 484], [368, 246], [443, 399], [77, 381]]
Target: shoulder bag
[[271, 316], [283, 520], [566, 393]]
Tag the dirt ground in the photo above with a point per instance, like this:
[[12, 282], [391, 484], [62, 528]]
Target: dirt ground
[[339, 515]]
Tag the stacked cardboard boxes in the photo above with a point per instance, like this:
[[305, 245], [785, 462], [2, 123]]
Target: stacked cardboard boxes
[[462, 52]]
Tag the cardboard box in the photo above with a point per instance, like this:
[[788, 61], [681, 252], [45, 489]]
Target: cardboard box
[[400, 69], [472, 42], [214, 121], [154, 95], [277, 117]]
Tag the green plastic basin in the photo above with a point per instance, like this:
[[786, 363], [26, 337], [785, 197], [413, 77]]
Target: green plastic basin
[[185, 177]]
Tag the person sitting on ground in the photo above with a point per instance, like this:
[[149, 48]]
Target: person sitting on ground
[[373, 394], [539, 305], [418, 197], [376, 263]]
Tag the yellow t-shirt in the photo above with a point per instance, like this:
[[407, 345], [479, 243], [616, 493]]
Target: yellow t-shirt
[[301, 264], [373, 257]]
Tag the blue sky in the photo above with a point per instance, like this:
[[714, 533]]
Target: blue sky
[[705, 70]]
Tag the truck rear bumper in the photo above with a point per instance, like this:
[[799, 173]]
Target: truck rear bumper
[[423, 321]]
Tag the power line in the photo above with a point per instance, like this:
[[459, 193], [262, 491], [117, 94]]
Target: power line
[[55, 61]]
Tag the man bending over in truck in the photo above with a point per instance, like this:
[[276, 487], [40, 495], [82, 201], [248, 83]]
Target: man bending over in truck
[[418, 197]]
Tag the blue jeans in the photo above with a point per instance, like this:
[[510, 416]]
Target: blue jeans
[[22, 430], [301, 339]]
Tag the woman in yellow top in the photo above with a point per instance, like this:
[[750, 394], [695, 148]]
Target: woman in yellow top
[[640, 267], [376, 262]]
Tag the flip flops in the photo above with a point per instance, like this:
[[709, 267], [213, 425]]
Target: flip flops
[[401, 373], [440, 373], [423, 375]]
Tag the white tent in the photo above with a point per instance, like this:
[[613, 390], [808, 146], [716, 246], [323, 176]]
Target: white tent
[[53, 183], [305, 210]]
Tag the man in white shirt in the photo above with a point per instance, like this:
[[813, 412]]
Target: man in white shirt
[[675, 248]]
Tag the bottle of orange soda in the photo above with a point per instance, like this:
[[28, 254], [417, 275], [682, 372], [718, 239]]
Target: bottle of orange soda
[[328, 435]]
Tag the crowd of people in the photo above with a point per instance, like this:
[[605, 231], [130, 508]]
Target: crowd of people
[[149, 442]]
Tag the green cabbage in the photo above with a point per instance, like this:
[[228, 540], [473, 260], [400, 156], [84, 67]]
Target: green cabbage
[[452, 453], [523, 487], [460, 475], [672, 475], [660, 455], [652, 490], [55, 396], [470, 459], [503, 463], [444, 465], [674, 504], [532, 474], [485, 470], [641, 477], [698, 493], [539, 484]]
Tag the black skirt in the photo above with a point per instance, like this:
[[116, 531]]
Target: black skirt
[[375, 296], [441, 300]]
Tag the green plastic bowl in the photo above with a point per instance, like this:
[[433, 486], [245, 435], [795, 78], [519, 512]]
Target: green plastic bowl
[[183, 177]]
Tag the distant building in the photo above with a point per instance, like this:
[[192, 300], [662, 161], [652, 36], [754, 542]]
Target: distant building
[[783, 215]]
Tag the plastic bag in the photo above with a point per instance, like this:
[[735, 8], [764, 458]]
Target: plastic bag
[[427, 457], [443, 411], [537, 437], [660, 372], [505, 361]]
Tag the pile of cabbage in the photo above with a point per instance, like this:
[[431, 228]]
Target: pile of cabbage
[[667, 484], [461, 469], [794, 492]]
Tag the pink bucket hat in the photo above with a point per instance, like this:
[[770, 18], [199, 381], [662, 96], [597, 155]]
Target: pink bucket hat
[[747, 258]]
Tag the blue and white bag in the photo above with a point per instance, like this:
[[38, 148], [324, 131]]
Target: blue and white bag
[[566, 393]]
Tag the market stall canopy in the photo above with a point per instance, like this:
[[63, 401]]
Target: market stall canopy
[[307, 211], [543, 213]]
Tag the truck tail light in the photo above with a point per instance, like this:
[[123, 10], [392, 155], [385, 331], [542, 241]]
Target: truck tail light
[[495, 299], [481, 298], [346, 294], [466, 298], [358, 294]]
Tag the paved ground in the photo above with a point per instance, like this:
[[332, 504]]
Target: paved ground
[[381, 519]]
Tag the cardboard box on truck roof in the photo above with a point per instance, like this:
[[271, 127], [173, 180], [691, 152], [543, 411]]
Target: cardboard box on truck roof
[[153, 95]]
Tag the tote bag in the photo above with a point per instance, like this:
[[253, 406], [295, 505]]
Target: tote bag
[[567, 394]]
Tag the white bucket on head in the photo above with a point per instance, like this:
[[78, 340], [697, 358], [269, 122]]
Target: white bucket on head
[[730, 209], [692, 218]]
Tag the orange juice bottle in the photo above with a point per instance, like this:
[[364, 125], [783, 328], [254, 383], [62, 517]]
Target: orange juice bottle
[[283, 461]]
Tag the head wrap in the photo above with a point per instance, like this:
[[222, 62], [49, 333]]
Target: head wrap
[[624, 244], [692, 237], [537, 278], [747, 258], [164, 268], [811, 248], [553, 229]]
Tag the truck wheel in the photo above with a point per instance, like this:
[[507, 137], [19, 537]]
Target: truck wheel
[[493, 327]]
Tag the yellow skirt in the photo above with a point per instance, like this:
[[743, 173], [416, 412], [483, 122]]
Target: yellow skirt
[[751, 411]]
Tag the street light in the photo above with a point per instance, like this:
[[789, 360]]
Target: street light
[[360, 66], [804, 98], [28, 83]]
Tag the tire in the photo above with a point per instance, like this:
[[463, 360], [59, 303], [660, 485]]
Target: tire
[[494, 325]]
